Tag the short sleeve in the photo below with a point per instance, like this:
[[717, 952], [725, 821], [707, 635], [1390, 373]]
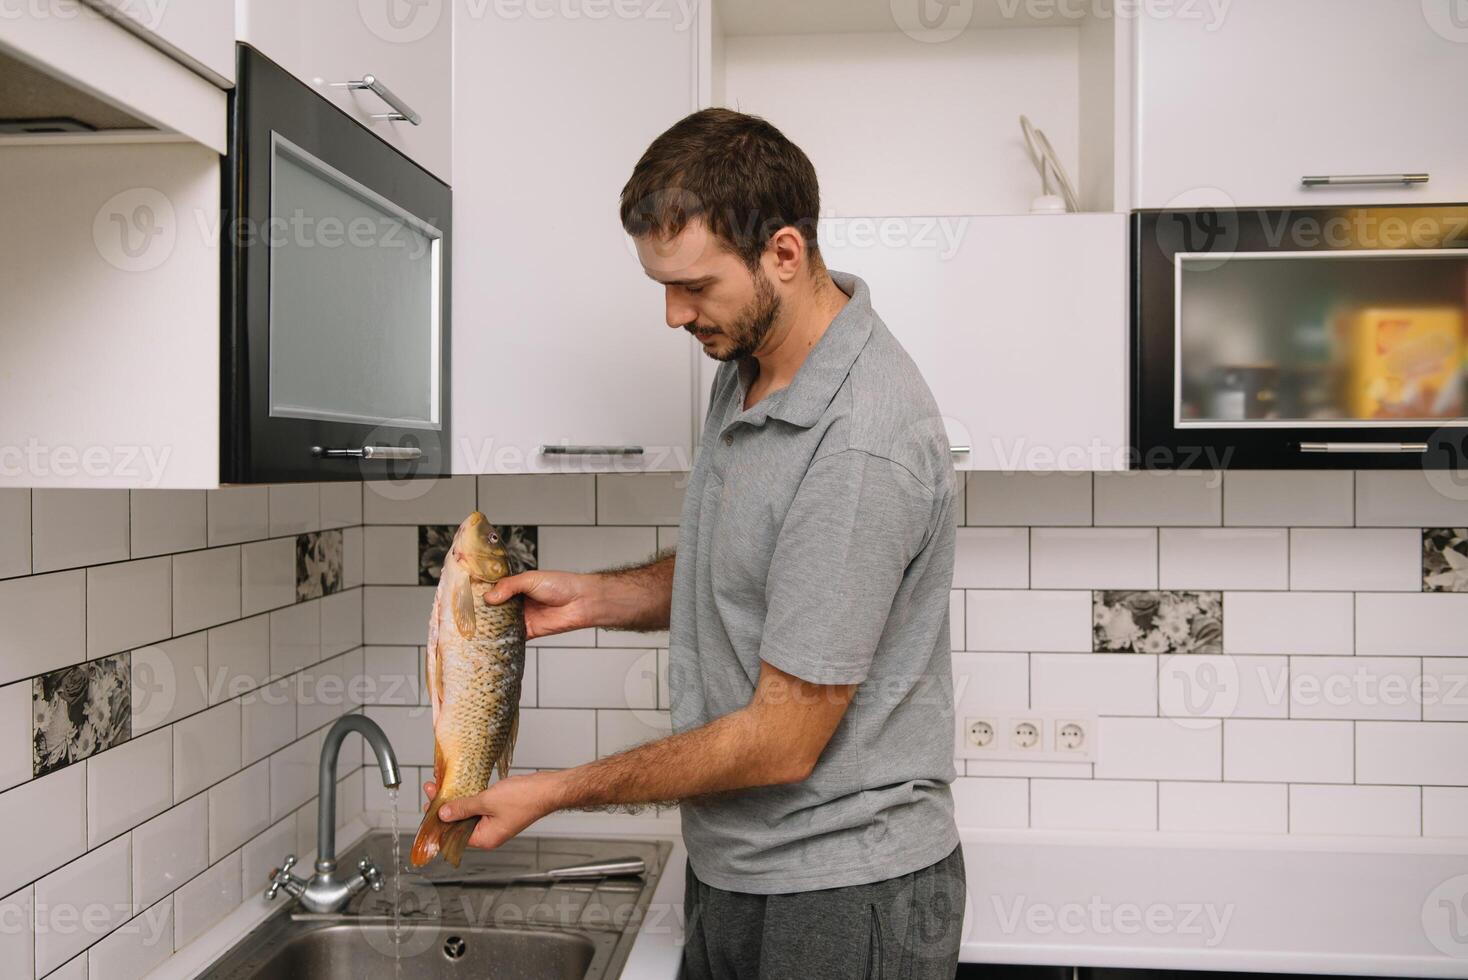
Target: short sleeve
[[855, 525]]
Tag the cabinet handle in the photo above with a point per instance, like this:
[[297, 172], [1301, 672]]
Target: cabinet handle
[[960, 450], [1363, 447], [591, 450], [369, 452], [401, 110], [1340, 180]]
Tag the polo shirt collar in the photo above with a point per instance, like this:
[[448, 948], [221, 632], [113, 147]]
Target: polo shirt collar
[[806, 398]]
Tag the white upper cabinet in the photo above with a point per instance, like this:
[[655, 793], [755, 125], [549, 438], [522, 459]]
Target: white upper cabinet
[[1235, 110], [559, 338], [200, 33], [406, 47]]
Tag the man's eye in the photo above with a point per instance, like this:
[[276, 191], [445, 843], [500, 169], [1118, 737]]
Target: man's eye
[[694, 289]]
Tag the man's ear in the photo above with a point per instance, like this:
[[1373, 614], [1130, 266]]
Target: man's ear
[[788, 253]]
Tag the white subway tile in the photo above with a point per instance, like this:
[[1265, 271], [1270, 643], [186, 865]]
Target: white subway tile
[[987, 804], [267, 719], [165, 521], [628, 638], [396, 615], [45, 619], [618, 730], [294, 508], [50, 815], [555, 738], [1425, 624], [295, 637], [1101, 683], [169, 850], [1288, 622], [1093, 558], [441, 501], [1270, 750], [1154, 497], [82, 902], [266, 853], [1407, 498], [1412, 753], [341, 622], [986, 681], [1390, 810], [329, 690], [1201, 686], [206, 748], [1223, 558], [1445, 689], [393, 675], [71, 528], [1093, 804], [128, 784], [1356, 687], [268, 575], [15, 532], [1158, 748], [239, 808], [600, 678], [170, 680], [1226, 808], [352, 573], [305, 819], [206, 588], [1356, 559], [1288, 498], [18, 943], [667, 538], [376, 798], [1029, 620], [73, 969], [293, 775], [390, 554], [237, 514], [1009, 769], [205, 900], [549, 498], [128, 605], [1444, 811], [15, 733], [350, 793], [640, 498], [239, 657], [591, 549], [410, 730], [955, 619], [136, 948], [992, 558], [341, 504], [574, 638], [1024, 499]]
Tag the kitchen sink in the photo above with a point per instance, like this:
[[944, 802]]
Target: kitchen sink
[[562, 930]]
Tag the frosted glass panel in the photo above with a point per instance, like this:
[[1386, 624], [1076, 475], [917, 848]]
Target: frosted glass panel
[[1343, 338], [354, 300]]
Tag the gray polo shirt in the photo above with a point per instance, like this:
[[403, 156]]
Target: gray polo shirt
[[818, 534]]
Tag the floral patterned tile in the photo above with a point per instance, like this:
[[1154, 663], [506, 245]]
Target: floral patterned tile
[[1157, 621], [318, 564], [521, 541], [79, 711], [1445, 559]]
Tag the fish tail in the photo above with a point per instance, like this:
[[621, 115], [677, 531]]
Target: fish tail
[[435, 836]]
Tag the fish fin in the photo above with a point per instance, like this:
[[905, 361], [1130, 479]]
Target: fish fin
[[439, 765], [463, 600], [504, 763], [437, 837], [456, 838], [431, 666]]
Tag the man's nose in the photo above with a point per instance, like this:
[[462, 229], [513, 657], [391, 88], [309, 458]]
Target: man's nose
[[680, 314]]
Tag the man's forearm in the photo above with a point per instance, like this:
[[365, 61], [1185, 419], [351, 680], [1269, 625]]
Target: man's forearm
[[639, 597], [728, 753]]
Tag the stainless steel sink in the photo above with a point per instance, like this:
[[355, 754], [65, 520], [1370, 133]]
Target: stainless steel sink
[[559, 931]]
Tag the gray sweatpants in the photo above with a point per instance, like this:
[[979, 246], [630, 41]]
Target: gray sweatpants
[[903, 928]]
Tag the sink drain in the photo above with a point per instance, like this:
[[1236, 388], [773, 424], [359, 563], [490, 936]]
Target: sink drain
[[454, 947]]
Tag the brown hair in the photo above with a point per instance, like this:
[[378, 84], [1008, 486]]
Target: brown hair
[[736, 172]]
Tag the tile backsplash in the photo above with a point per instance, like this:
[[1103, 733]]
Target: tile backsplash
[[1266, 652]]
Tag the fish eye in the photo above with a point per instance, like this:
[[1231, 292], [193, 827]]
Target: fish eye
[[494, 539]]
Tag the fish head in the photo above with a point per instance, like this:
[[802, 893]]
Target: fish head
[[479, 549]]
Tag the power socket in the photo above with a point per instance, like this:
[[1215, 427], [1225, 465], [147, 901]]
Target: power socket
[[1025, 735]]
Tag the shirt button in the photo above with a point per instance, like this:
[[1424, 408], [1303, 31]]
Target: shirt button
[[728, 438]]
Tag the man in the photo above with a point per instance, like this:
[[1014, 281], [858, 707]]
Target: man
[[810, 674]]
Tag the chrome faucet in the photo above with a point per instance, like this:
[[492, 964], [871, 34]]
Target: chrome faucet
[[326, 890]]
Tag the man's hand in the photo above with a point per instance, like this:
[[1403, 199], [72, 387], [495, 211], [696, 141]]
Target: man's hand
[[555, 602], [506, 808]]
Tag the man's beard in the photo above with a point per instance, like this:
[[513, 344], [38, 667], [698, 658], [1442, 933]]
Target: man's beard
[[753, 323]]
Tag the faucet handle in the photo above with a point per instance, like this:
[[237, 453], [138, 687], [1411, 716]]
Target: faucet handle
[[370, 873], [281, 877]]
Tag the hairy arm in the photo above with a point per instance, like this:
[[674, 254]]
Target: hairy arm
[[636, 597]]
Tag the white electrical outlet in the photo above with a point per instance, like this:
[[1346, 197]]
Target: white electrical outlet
[[980, 733], [1019, 734], [1025, 734], [1070, 736]]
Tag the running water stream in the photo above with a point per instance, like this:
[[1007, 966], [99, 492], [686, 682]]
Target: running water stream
[[397, 885]]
